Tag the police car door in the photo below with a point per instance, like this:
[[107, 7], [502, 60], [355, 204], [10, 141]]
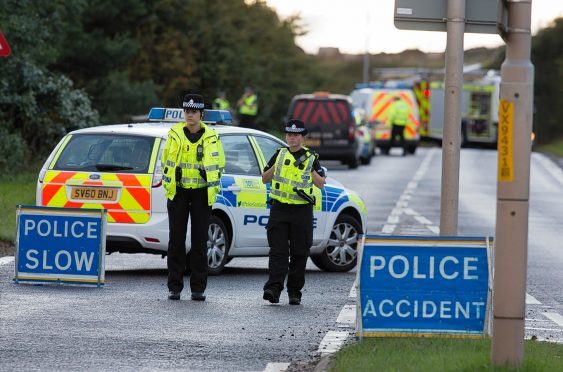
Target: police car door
[[268, 146], [243, 192]]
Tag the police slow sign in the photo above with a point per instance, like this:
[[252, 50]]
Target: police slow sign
[[423, 286], [60, 245]]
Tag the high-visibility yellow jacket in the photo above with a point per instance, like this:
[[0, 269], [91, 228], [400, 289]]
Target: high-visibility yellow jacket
[[249, 105], [399, 113], [288, 177], [180, 152], [221, 104]]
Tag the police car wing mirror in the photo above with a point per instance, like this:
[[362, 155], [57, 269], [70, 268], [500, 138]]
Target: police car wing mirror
[[325, 171]]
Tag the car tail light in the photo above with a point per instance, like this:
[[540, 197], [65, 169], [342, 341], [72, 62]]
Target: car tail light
[[152, 240]]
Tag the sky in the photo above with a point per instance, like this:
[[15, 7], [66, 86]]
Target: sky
[[345, 23]]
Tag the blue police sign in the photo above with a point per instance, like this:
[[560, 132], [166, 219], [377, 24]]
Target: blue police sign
[[60, 245], [422, 285]]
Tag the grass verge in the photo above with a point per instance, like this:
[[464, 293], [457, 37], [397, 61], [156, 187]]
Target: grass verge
[[439, 354], [16, 189], [553, 148]]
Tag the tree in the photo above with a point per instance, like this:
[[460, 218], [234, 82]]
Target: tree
[[547, 57], [37, 106]]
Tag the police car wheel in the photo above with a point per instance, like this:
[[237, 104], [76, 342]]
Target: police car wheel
[[341, 251], [218, 244]]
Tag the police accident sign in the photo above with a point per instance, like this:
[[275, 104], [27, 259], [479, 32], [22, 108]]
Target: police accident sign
[[424, 286], [62, 245]]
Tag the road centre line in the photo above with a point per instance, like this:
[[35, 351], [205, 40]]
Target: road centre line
[[401, 206], [6, 260]]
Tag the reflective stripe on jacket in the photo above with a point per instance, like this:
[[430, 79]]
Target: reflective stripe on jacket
[[180, 152], [287, 177]]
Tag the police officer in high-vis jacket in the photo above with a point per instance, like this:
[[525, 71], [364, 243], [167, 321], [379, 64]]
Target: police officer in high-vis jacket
[[192, 161], [293, 172]]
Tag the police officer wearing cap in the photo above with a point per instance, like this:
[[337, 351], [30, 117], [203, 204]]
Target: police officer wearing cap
[[293, 172], [192, 161]]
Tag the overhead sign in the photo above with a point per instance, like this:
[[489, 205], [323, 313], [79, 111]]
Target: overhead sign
[[481, 16], [424, 286], [60, 245], [4, 47]]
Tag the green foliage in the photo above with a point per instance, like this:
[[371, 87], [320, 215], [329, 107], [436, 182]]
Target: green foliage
[[547, 57], [37, 106]]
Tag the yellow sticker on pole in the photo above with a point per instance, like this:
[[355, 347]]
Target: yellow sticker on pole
[[506, 141]]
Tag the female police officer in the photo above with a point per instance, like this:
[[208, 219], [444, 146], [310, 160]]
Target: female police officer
[[192, 159], [292, 171]]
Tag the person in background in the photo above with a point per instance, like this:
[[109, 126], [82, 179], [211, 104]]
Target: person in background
[[293, 172], [248, 108], [192, 161], [221, 102], [398, 118]]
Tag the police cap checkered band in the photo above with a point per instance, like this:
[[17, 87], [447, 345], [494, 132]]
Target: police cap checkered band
[[193, 101], [295, 126]]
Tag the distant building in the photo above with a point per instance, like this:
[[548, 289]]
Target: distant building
[[329, 52]]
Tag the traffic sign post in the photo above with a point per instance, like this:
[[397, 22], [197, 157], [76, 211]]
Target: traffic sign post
[[4, 47]]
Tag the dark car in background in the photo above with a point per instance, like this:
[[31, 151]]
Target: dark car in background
[[333, 131]]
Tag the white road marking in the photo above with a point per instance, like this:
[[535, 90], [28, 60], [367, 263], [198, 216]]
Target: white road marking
[[6, 260], [353, 292], [556, 317], [544, 329], [347, 316], [401, 206], [531, 300], [423, 220], [276, 367], [332, 342]]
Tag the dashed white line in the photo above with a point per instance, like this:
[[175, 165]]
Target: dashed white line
[[556, 317], [401, 206], [353, 291], [276, 367], [332, 342], [6, 260], [347, 316]]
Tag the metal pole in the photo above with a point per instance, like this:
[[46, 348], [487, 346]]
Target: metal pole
[[514, 148], [452, 117], [366, 52]]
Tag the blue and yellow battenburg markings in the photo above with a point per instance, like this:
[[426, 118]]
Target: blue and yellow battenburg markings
[[332, 197]]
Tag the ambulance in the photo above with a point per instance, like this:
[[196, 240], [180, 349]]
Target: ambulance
[[376, 99], [117, 167]]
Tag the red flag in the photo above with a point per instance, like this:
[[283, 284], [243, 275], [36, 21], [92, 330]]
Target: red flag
[[4, 47]]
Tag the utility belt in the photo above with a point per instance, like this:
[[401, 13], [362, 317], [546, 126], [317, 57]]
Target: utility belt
[[279, 204]]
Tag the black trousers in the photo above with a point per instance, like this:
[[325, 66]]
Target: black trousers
[[290, 236], [186, 203], [398, 130]]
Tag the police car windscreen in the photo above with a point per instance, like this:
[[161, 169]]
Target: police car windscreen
[[106, 153]]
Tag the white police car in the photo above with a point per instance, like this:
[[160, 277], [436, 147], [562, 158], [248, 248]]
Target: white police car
[[117, 167]]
